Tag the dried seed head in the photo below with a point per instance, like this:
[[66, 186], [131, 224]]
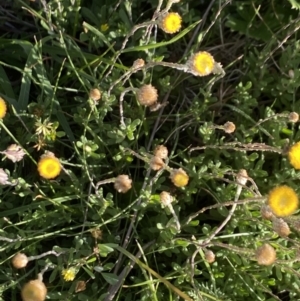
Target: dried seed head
[[161, 151], [19, 261], [265, 255], [156, 163], [229, 127], [3, 177], [291, 73], [165, 198], [296, 224], [95, 94], [179, 177], [14, 153], [80, 286], [281, 227], [210, 256], [293, 117], [138, 63], [242, 177], [266, 212], [122, 183], [34, 290], [147, 95], [96, 233]]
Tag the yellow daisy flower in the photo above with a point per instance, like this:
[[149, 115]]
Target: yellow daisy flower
[[3, 108], [294, 155], [283, 201], [49, 166], [201, 63], [170, 22], [179, 177], [69, 274]]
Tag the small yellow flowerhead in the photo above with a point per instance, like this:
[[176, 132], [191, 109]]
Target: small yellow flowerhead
[[34, 290], [104, 27], [201, 63], [283, 201], [179, 177], [294, 155], [265, 255], [49, 166], [170, 22], [69, 274], [3, 108]]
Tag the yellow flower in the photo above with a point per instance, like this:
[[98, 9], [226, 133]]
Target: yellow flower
[[104, 27], [201, 63], [283, 201], [294, 155], [170, 22], [3, 108], [179, 177], [69, 274], [49, 166]]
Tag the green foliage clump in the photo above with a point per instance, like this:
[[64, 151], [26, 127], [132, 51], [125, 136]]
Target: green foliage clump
[[140, 140]]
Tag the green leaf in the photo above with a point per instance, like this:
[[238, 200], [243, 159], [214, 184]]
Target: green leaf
[[110, 278]]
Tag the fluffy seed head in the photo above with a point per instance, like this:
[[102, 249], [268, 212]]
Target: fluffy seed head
[[293, 117], [170, 22], [179, 177], [201, 63], [294, 155], [210, 256], [122, 183], [266, 212], [147, 95], [34, 290], [161, 151], [283, 201], [281, 227], [265, 255], [229, 127], [14, 153], [95, 94], [165, 198], [156, 163], [242, 177], [19, 261], [138, 63]]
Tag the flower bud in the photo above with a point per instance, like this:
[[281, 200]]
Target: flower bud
[[210, 256], [95, 94]]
